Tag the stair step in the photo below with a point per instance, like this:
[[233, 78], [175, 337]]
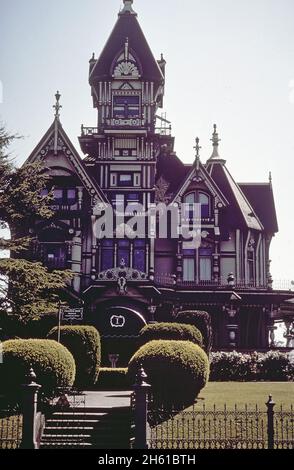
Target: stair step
[[65, 437], [81, 427], [74, 430], [72, 422], [63, 445]]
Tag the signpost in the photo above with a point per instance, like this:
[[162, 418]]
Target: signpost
[[71, 314], [68, 314]]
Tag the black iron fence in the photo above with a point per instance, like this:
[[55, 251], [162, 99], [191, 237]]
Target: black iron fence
[[201, 428], [10, 429]]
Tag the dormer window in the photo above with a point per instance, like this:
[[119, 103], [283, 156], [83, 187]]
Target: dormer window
[[204, 201], [126, 107], [197, 197]]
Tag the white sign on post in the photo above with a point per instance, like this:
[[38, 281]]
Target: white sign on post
[[71, 314]]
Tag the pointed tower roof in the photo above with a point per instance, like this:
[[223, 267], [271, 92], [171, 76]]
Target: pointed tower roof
[[127, 26], [241, 211], [215, 157], [57, 151]]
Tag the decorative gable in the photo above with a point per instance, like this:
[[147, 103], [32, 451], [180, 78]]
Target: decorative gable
[[199, 177], [59, 155]]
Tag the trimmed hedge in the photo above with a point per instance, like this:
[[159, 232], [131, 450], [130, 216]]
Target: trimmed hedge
[[172, 331], [202, 321], [113, 379], [53, 364], [176, 370], [275, 366], [84, 344], [234, 366]]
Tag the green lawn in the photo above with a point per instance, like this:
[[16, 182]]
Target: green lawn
[[243, 427], [250, 393]]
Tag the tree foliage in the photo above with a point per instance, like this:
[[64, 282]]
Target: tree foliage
[[26, 288]]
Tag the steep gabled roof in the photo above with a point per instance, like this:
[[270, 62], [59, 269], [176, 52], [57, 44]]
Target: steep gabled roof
[[261, 197], [127, 26], [196, 171], [172, 169], [56, 149], [241, 211]]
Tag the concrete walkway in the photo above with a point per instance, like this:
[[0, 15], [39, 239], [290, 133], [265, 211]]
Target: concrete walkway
[[107, 399]]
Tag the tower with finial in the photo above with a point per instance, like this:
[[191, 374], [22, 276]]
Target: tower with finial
[[197, 155], [57, 106], [128, 8], [215, 157]]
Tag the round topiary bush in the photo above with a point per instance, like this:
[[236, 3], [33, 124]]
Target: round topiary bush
[[176, 370], [53, 364], [171, 331], [202, 321], [84, 344]]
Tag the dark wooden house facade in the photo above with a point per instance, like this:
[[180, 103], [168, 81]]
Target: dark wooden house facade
[[129, 158]]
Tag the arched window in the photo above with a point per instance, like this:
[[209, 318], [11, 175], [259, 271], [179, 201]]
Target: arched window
[[197, 197], [204, 201], [190, 198], [190, 209]]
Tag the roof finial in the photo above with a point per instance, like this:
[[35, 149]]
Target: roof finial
[[197, 148], [127, 49], [57, 106], [270, 177], [215, 142], [127, 8]]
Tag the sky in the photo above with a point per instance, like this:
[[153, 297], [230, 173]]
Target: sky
[[228, 62]]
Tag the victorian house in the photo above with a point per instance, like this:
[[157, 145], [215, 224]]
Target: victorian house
[[129, 158]]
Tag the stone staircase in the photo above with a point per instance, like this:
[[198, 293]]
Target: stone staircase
[[88, 428]]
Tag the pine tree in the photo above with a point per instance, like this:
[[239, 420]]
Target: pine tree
[[27, 289]]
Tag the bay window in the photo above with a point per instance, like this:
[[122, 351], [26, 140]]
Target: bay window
[[131, 252]]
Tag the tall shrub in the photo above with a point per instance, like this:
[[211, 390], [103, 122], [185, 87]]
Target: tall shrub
[[84, 344], [202, 321]]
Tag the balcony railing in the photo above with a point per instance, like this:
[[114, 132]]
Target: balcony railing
[[131, 122], [170, 281], [89, 131]]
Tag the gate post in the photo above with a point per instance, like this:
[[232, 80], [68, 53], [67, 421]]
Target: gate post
[[270, 423], [29, 410], [141, 389]]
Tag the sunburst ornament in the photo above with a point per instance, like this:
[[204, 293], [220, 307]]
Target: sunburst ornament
[[126, 69]]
